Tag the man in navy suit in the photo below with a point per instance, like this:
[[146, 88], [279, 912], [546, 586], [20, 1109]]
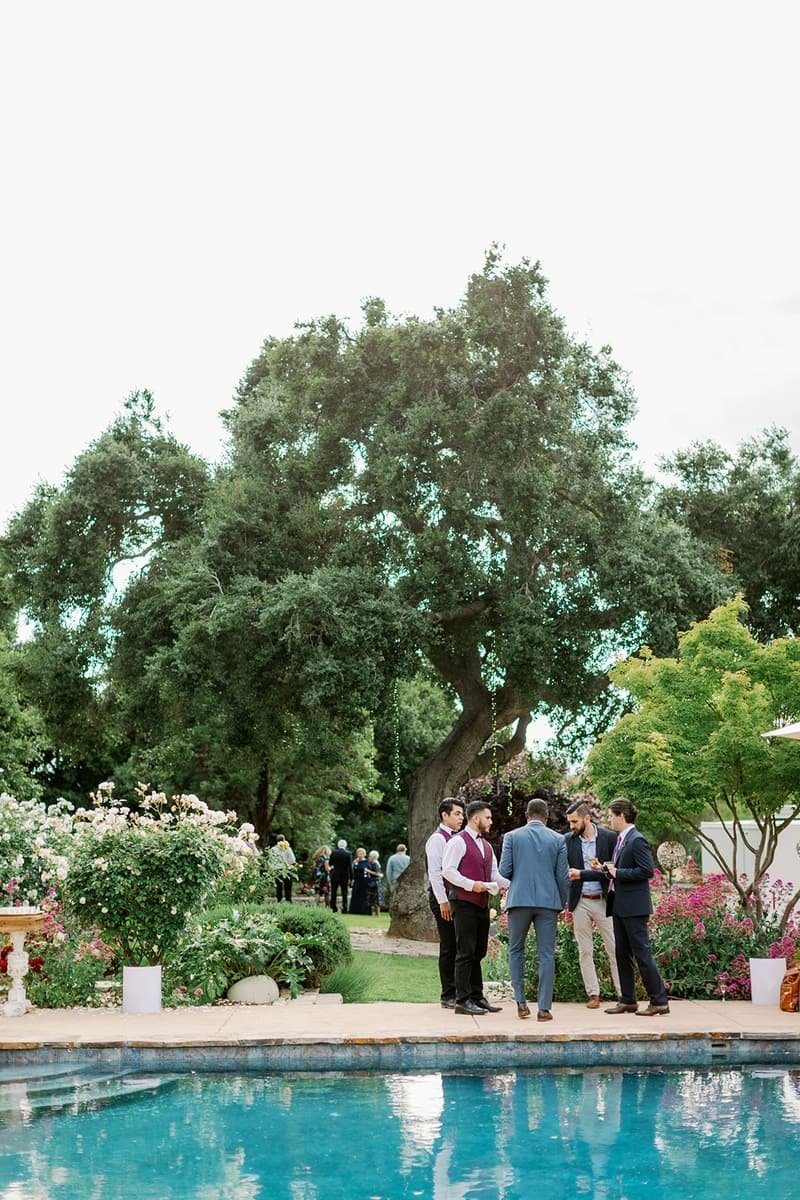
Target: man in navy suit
[[587, 894], [630, 871], [534, 858]]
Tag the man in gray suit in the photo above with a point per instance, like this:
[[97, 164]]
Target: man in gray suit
[[534, 858]]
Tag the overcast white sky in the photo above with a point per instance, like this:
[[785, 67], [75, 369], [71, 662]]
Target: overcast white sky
[[182, 178]]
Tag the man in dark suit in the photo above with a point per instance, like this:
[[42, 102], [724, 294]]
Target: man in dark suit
[[341, 876], [630, 871], [587, 894]]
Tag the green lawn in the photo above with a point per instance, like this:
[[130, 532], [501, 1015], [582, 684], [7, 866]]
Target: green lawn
[[350, 919], [399, 977]]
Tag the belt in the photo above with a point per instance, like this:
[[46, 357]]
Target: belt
[[591, 896]]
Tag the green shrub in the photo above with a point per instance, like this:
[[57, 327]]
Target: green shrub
[[351, 980], [334, 947], [138, 876], [568, 986], [66, 977], [251, 882], [212, 955]]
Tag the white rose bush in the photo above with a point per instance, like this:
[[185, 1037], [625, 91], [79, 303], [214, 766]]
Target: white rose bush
[[150, 882], [138, 874], [34, 847]]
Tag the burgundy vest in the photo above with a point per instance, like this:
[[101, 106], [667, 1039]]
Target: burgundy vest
[[476, 864]]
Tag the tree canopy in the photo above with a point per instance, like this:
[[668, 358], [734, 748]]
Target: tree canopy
[[692, 749], [451, 498], [472, 473], [746, 509]]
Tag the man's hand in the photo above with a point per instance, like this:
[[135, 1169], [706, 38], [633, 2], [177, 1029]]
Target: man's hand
[[478, 886], [595, 864], [574, 873], [445, 911], [611, 870]]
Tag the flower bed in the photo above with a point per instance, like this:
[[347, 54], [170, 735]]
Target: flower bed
[[701, 941]]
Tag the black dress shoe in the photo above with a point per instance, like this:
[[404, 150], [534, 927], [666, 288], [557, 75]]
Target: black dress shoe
[[448, 1003], [620, 1007], [544, 1014], [654, 1010], [483, 1003], [470, 1009]]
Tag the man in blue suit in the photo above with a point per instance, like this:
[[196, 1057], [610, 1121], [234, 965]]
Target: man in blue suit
[[534, 858]]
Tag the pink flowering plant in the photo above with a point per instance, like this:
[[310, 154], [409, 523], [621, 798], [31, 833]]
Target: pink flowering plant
[[702, 938]]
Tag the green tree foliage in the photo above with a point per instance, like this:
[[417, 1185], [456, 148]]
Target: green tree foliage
[[746, 509], [66, 558], [472, 473], [451, 497], [19, 722], [692, 748]]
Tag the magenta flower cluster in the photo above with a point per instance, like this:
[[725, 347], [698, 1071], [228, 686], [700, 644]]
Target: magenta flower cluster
[[703, 939]]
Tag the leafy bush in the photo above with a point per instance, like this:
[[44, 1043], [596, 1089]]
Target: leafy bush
[[65, 974], [214, 954], [568, 987], [333, 948], [139, 876], [250, 880]]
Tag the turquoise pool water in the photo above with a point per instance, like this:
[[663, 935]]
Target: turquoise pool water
[[608, 1135]]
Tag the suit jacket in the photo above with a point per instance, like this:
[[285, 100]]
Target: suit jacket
[[631, 894], [534, 858], [341, 862], [606, 841]]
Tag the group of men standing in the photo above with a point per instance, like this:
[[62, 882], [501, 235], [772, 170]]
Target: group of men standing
[[601, 875]]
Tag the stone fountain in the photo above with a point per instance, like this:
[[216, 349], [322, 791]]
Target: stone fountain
[[18, 921]]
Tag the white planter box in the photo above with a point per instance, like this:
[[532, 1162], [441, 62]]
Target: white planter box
[[766, 975], [141, 989]]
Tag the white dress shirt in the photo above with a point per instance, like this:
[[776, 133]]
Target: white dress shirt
[[434, 852]]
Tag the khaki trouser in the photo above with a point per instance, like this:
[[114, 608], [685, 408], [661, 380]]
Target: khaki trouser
[[591, 914]]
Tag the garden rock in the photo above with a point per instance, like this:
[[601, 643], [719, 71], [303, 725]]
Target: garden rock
[[255, 989]]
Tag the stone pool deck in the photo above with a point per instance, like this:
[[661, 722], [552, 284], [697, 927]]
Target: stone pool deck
[[317, 1033]]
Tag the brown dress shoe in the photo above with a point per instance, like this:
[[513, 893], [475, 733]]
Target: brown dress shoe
[[523, 1012], [544, 1016], [593, 1002], [653, 1010], [619, 1007]]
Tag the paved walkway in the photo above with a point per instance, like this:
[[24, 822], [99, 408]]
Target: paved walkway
[[378, 940], [322, 1019]]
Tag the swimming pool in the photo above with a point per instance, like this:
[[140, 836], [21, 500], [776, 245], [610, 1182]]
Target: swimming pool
[[608, 1135]]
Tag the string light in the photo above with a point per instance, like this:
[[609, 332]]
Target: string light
[[396, 737], [494, 740]]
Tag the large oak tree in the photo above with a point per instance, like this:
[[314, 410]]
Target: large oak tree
[[472, 473]]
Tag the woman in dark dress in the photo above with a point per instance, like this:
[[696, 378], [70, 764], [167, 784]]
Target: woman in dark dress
[[374, 883], [358, 897]]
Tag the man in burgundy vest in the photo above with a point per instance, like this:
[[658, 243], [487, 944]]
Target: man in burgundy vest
[[451, 818], [470, 867]]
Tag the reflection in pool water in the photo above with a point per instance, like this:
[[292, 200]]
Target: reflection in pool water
[[608, 1135]]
